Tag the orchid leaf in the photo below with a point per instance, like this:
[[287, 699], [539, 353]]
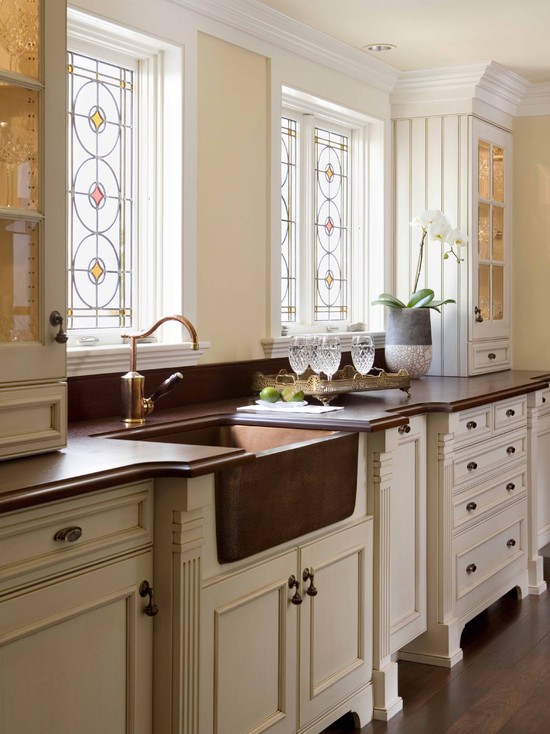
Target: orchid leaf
[[386, 299], [435, 304], [421, 298]]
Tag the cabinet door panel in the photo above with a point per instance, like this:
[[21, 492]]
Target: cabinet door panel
[[79, 655], [336, 636], [248, 651]]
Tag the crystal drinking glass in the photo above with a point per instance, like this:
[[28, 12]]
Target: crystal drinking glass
[[330, 353], [314, 362], [362, 353], [298, 354]]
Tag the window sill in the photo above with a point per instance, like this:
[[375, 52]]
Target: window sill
[[278, 346], [103, 360]]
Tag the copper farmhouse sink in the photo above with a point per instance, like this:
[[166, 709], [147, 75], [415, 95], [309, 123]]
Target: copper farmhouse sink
[[302, 480]]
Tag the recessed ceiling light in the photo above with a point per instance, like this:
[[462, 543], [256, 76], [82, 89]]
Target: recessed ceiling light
[[379, 47]]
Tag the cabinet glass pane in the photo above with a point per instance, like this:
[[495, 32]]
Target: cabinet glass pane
[[498, 174], [19, 36], [498, 233], [484, 170], [18, 147], [498, 293], [484, 289], [19, 264], [484, 247]]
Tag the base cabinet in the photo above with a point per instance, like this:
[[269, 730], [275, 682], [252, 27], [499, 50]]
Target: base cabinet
[[77, 644], [286, 644]]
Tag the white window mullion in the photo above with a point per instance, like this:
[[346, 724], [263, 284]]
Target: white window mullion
[[305, 290]]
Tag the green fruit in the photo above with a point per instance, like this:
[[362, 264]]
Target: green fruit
[[289, 396], [270, 395]]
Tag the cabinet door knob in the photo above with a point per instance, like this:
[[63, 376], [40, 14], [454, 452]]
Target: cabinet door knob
[[471, 506], [68, 535], [511, 450], [404, 429], [511, 543], [56, 319], [543, 399], [293, 583], [510, 486], [471, 568], [510, 413], [308, 576], [471, 425], [479, 317], [145, 589], [471, 466], [491, 355]]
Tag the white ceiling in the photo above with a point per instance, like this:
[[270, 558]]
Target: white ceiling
[[437, 33]]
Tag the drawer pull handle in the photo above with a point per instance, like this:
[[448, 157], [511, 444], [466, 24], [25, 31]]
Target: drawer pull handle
[[511, 450], [68, 535], [404, 429], [309, 576], [471, 568], [511, 543], [510, 486], [145, 589], [491, 355], [471, 466], [471, 506], [543, 399], [479, 317], [510, 413], [471, 425], [293, 583]]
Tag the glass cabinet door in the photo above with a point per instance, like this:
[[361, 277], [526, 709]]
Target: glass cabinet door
[[491, 305]]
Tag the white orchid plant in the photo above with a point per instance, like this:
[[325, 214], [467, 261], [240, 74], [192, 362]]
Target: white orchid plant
[[436, 227]]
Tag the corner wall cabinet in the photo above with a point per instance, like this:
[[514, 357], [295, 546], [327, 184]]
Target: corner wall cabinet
[[74, 635], [477, 520], [32, 226]]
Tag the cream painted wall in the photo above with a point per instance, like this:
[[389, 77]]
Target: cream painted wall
[[233, 178], [531, 244]]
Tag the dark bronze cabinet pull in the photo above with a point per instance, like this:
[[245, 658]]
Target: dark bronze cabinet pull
[[471, 506], [510, 413], [308, 576], [471, 568], [471, 466], [471, 425], [145, 589], [510, 486], [293, 583], [56, 319], [404, 429], [511, 543], [511, 450], [68, 535], [491, 355], [479, 317]]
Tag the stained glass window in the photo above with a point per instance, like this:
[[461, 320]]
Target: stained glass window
[[331, 225], [288, 219], [101, 142]]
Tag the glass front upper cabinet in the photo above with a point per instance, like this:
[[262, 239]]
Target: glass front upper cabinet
[[20, 215], [491, 264]]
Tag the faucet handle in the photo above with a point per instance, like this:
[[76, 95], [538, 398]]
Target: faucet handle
[[165, 387]]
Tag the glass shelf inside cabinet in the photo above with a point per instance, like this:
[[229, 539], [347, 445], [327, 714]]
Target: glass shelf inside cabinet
[[18, 148], [19, 37], [19, 263]]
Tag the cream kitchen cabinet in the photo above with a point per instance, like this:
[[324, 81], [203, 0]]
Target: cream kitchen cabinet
[[32, 227], [477, 520], [397, 502], [74, 634]]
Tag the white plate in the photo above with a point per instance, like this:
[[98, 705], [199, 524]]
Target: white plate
[[281, 405]]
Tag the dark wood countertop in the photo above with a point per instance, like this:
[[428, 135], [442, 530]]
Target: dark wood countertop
[[92, 461]]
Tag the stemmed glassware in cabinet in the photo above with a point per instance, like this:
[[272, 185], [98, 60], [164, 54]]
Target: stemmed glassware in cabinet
[[362, 353]]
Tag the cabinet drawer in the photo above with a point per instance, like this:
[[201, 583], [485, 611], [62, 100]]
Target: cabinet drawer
[[96, 525], [510, 414], [489, 556], [474, 425], [496, 453], [471, 505], [490, 356]]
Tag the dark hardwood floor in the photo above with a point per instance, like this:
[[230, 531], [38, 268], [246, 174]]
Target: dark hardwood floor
[[501, 685]]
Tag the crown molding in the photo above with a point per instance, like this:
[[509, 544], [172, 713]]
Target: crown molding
[[536, 100], [278, 29]]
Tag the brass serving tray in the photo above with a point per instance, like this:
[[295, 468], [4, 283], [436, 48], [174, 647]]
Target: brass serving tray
[[345, 380]]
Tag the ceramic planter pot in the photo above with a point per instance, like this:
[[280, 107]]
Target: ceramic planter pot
[[409, 341]]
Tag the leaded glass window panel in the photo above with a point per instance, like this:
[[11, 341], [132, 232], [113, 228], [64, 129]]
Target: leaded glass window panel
[[101, 149], [331, 225], [289, 193]]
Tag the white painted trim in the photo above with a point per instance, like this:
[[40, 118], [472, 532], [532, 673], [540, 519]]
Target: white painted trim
[[107, 359], [269, 25], [536, 101]]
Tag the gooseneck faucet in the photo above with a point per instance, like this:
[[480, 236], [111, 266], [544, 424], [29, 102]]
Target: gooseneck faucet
[[134, 406]]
